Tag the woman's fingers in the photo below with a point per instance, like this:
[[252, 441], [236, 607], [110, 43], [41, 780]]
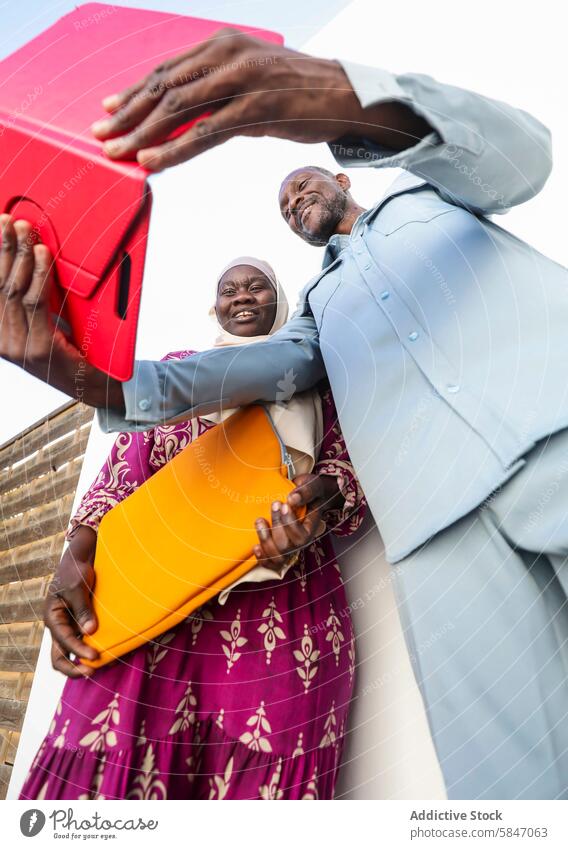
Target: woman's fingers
[[267, 549], [313, 522], [295, 528], [308, 488], [60, 622], [281, 529], [61, 662]]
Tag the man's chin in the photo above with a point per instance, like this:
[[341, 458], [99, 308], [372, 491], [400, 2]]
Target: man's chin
[[316, 238]]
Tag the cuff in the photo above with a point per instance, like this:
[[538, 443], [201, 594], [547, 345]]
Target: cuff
[[375, 85], [90, 516], [348, 518], [142, 402]]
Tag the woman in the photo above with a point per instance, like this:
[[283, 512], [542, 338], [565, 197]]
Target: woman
[[248, 697]]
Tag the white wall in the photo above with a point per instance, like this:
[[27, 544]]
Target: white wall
[[225, 204]]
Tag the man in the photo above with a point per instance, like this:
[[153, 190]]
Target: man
[[444, 341]]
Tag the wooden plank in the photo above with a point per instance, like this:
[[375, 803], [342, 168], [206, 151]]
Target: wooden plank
[[9, 686], [45, 489], [12, 713], [15, 685], [67, 418], [36, 524], [18, 659], [8, 745], [49, 458], [23, 601], [21, 634], [5, 773], [31, 560]]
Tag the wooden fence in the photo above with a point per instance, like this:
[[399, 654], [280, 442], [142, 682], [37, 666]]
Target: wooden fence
[[39, 470]]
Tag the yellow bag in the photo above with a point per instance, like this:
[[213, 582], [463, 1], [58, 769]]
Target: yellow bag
[[187, 533]]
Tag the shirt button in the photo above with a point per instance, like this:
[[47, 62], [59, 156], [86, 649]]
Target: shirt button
[[385, 295], [453, 387], [413, 336], [144, 404], [367, 265]]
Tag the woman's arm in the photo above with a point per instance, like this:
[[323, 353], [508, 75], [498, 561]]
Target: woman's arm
[[68, 610]]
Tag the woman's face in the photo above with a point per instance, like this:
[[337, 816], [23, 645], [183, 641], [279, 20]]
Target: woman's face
[[246, 302]]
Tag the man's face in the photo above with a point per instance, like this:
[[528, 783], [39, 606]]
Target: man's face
[[312, 204]]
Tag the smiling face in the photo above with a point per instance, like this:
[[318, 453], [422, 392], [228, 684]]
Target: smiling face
[[313, 203], [246, 302]]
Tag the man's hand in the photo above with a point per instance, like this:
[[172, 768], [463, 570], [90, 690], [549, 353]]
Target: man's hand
[[252, 88], [68, 610], [288, 534], [28, 337]]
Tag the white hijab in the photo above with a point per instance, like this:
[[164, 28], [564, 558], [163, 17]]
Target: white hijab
[[299, 420]]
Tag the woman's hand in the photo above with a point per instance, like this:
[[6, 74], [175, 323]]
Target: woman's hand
[[288, 534], [68, 611]]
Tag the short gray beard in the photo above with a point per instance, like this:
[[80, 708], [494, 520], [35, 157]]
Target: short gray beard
[[334, 211]]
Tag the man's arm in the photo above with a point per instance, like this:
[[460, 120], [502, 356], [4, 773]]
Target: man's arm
[[159, 391], [478, 152], [481, 153], [176, 390]]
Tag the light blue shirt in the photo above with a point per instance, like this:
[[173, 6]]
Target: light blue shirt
[[443, 336]]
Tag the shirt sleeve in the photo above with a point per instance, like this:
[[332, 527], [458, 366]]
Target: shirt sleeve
[[222, 378], [481, 154], [126, 467]]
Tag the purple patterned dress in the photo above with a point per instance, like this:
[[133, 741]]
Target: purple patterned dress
[[243, 701]]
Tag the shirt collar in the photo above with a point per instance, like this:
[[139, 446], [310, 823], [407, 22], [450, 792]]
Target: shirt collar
[[339, 242]]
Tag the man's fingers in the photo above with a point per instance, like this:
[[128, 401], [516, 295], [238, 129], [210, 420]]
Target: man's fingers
[[14, 317], [61, 662], [7, 250], [133, 105], [159, 75], [206, 134], [177, 107], [35, 305]]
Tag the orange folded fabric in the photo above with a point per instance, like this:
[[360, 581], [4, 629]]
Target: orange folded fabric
[[187, 533]]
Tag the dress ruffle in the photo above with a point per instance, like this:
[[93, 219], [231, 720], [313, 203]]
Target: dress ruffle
[[204, 763]]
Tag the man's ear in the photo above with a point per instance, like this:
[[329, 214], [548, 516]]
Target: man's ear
[[343, 181]]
